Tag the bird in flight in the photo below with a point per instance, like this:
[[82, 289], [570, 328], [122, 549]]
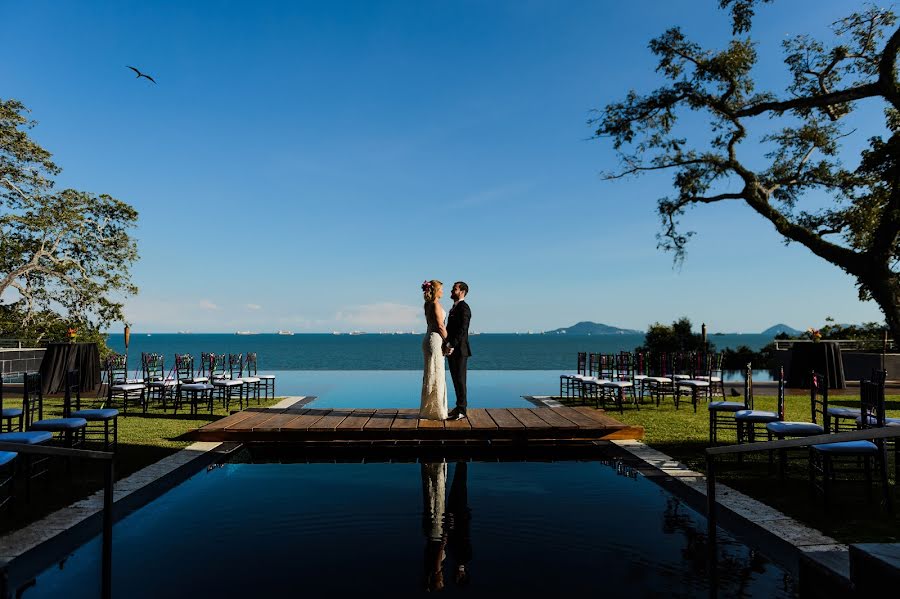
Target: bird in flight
[[139, 74]]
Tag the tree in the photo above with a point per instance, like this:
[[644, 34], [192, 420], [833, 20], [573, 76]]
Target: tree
[[66, 253], [859, 229], [677, 337]]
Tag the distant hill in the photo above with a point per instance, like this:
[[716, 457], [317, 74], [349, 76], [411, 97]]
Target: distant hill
[[781, 328], [592, 328]]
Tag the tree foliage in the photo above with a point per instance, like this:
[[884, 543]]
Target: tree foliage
[[801, 130], [677, 337], [65, 255]]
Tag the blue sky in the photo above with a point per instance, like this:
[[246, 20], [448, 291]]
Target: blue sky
[[305, 166]]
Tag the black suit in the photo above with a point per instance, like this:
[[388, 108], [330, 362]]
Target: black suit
[[458, 339]]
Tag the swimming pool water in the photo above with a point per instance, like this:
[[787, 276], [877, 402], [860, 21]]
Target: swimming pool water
[[355, 529]]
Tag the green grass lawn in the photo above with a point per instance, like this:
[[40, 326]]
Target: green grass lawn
[[143, 440], [684, 435]]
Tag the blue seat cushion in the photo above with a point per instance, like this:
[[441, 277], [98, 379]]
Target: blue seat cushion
[[755, 416], [848, 448], [196, 387], [58, 424], [12, 412], [26, 437], [6, 457], [99, 414], [844, 412], [727, 406], [272, 376], [795, 429]]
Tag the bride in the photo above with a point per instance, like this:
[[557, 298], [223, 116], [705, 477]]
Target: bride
[[434, 381]]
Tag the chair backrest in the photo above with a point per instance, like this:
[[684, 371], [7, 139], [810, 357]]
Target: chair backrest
[[640, 363], [205, 361], [154, 367], [818, 400], [32, 399], [6, 379], [582, 362], [624, 366], [184, 367], [660, 365], [701, 364], [216, 366], [72, 393], [781, 395], [116, 369], [715, 364], [682, 363], [871, 400], [251, 363], [235, 365], [748, 386]]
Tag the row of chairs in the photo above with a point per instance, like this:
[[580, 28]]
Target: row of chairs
[[232, 377], [608, 377], [77, 427], [825, 461]]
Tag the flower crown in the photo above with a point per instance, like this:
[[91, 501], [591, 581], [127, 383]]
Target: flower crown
[[426, 285]]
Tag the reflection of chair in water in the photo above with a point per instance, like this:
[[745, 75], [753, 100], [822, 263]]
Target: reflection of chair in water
[[458, 524], [434, 485]]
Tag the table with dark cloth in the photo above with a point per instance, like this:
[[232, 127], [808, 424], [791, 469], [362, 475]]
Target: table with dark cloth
[[823, 357], [62, 357]]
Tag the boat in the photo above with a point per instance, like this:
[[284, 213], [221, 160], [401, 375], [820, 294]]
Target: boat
[[357, 332], [244, 333], [285, 333]]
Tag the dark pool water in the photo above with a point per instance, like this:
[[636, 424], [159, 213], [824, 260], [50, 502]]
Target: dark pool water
[[403, 529]]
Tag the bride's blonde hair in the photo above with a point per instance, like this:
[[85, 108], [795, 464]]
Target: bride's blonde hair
[[429, 289]]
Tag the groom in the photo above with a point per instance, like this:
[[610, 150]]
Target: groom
[[457, 346]]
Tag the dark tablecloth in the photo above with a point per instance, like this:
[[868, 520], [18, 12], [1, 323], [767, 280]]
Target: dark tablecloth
[[62, 357], [823, 357]]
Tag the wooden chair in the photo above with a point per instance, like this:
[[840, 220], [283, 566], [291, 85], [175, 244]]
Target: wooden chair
[[220, 379], [268, 380], [118, 385], [8, 413], [102, 423], [196, 389], [721, 413], [160, 386], [569, 383]]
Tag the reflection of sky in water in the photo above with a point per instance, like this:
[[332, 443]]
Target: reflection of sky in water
[[401, 388], [353, 529]]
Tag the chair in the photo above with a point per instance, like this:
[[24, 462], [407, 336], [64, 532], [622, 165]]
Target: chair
[[236, 371], [31, 464], [197, 388], [721, 413], [622, 377], [697, 380], [221, 380], [7, 413], [118, 385], [841, 415], [102, 423], [713, 373], [749, 419], [70, 429], [268, 380], [159, 385], [827, 460], [821, 424], [568, 383], [659, 383], [641, 372]]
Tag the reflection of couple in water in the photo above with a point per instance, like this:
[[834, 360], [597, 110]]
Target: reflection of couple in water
[[446, 525]]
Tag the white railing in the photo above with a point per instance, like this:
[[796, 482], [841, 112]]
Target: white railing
[[844, 344]]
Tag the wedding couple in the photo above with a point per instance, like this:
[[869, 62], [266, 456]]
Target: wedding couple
[[450, 341]]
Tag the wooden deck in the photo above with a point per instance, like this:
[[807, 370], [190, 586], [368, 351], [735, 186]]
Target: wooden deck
[[539, 424]]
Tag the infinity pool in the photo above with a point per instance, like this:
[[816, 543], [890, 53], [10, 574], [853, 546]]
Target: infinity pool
[[400, 529]]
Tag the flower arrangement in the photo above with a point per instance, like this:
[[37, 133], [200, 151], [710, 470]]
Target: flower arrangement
[[72, 334], [426, 285], [814, 334]]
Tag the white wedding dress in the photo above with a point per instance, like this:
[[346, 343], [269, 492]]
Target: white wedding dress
[[434, 379], [434, 493]]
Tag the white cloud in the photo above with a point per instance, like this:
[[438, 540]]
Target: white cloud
[[254, 307], [384, 315], [208, 305]]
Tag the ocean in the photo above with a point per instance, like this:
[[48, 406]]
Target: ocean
[[491, 351]]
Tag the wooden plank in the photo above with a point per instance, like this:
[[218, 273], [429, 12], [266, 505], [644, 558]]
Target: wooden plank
[[406, 419], [381, 420], [553, 419], [356, 420], [480, 420], [221, 423], [528, 419], [277, 421], [304, 421], [254, 420], [577, 417], [425, 423], [504, 420], [458, 425], [331, 421], [600, 416]]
